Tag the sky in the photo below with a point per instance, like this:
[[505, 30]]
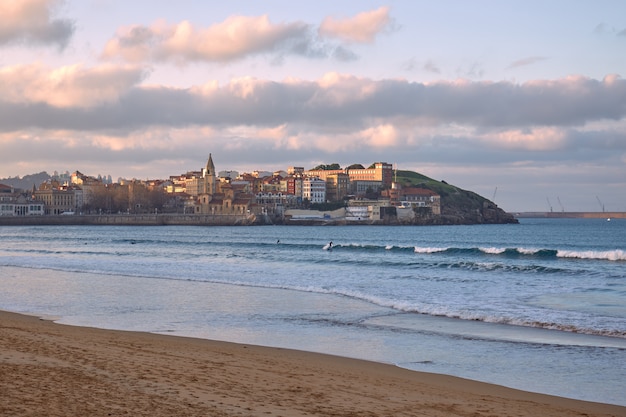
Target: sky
[[523, 102]]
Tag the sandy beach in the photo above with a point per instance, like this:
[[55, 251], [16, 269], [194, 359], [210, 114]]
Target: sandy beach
[[57, 370]]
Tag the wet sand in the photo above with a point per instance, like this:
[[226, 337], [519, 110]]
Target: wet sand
[[47, 369]]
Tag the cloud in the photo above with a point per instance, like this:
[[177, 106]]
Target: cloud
[[601, 28], [526, 61], [109, 97], [134, 130], [533, 139], [30, 22], [233, 39], [427, 66], [66, 87], [430, 66], [362, 28]]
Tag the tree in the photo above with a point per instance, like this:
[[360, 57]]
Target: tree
[[355, 166], [329, 167], [372, 194]]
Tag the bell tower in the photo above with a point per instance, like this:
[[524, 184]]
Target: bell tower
[[208, 173]]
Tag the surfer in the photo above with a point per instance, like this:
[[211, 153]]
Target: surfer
[[330, 245], [278, 241]]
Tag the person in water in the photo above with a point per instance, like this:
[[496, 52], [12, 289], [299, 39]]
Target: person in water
[[330, 245]]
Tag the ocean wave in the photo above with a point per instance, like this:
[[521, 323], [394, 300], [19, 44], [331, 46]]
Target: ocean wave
[[445, 311], [435, 310], [610, 255], [429, 250]]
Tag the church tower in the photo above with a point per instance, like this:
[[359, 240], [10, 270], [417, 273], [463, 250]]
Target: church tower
[[208, 173]]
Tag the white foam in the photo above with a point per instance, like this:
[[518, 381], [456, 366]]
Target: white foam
[[610, 255], [429, 250], [493, 251], [527, 251]]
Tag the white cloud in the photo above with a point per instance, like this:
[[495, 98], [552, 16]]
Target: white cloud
[[104, 114], [68, 86], [233, 39], [533, 139], [32, 22], [109, 97], [382, 136], [362, 28]]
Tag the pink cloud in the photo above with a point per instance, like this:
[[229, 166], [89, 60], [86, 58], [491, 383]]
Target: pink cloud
[[67, 86], [361, 28], [31, 22], [234, 38]]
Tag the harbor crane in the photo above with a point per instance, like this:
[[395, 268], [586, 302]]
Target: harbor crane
[[549, 205], [562, 208], [601, 205]]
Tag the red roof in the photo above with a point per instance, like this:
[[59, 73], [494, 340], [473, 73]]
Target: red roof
[[418, 191]]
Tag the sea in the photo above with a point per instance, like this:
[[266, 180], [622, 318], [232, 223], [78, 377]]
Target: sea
[[538, 306]]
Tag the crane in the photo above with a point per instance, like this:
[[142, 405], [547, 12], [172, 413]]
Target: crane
[[559, 200], [601, 205], [494, 194], [549, 205]]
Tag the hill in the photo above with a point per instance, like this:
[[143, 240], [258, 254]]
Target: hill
[[27, 181], [458, 206]]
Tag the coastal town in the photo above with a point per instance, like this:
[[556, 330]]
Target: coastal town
[[324, 193]]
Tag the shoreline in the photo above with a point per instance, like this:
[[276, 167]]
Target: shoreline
[[53, 369]]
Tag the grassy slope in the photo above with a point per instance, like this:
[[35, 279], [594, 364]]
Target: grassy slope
[[451, 197]]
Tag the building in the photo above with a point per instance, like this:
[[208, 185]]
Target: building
[[323, 173], [414, 197], [89, 188], [314, 190], [57, 199], [18, 204], [293, 186], [337, 186], [363, 209], [295, 170], [231, 175], [359, 181], [380, 171], [221, 197], [21, 206]]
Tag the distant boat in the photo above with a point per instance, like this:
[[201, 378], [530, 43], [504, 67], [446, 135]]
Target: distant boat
[[608, 220]]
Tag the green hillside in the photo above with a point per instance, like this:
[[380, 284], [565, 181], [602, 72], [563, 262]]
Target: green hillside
[[457, 205]]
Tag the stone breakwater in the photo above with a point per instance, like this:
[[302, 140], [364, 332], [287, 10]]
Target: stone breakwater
[[573, 215], [132, 220]]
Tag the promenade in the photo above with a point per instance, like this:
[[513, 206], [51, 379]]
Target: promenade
[[133, 220]]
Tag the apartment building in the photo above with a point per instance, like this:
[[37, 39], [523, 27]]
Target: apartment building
[[380, 171], [337, 186], [314, 190], [56, 198]]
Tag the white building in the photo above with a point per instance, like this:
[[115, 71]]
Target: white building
[[21, 206], [314, 190], [228, 174]]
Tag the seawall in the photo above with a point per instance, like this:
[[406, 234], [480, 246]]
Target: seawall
[[573, 215], [131, 220]]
